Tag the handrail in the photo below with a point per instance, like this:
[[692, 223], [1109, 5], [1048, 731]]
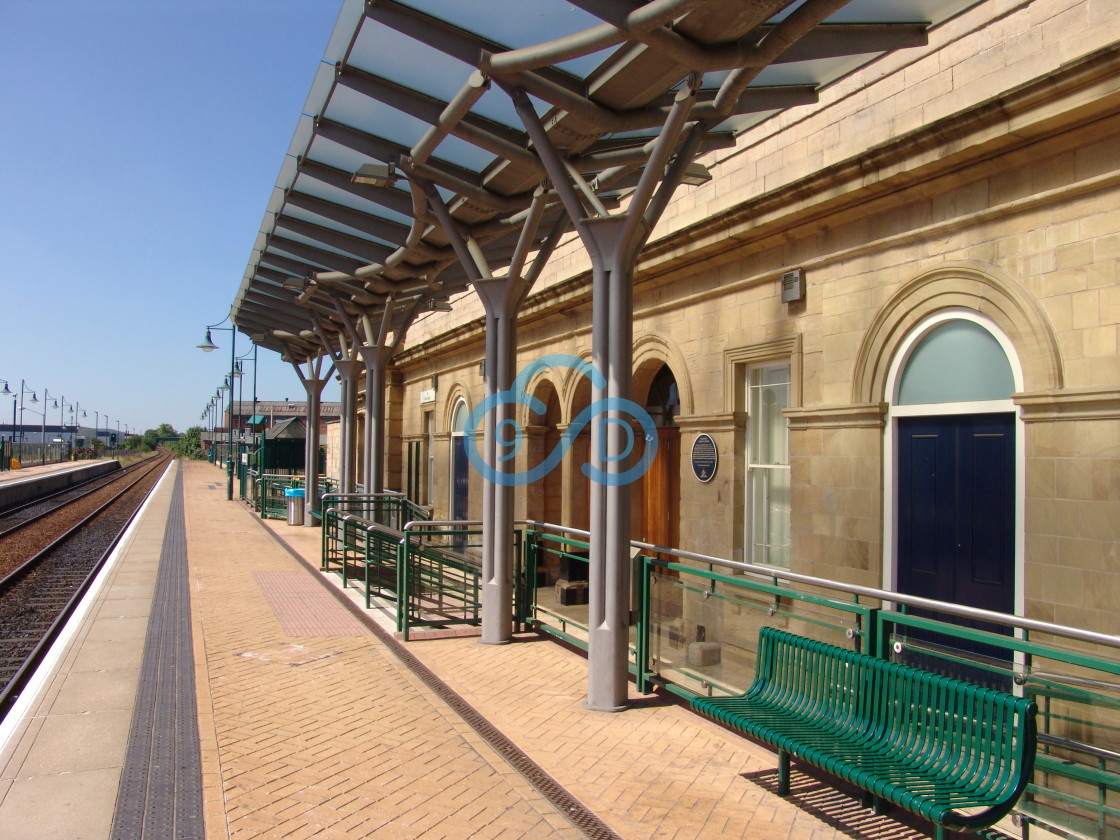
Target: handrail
[[1079, 746], [367, 524], [441, 522], [386, 493], [1063, 679], [1020, 622]]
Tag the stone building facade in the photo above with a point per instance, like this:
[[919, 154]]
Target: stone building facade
[[953, 213]]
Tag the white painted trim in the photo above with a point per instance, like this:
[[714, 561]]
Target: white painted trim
[[890, 440]]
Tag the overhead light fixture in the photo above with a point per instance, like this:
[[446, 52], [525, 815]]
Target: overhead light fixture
[[439, 306], [375, 174], [696, 174], [292, 282]]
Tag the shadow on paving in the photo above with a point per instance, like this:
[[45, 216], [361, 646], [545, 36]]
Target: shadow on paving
[[840, 806]]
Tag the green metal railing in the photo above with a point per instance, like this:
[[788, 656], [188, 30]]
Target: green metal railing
[[268, 497], [440, 575], [388, 507], [428, 572]]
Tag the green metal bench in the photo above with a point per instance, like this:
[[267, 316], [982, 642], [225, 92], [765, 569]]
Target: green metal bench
[[951, 752]]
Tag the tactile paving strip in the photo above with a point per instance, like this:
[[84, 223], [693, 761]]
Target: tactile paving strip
[[160, 795], [304, 608]]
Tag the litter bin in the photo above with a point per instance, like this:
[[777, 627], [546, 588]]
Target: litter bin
[[295, 505]]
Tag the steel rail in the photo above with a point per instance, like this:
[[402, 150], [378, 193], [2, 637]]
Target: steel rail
[[106, 479]]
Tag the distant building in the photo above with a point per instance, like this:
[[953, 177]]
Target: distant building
[[247, 417]]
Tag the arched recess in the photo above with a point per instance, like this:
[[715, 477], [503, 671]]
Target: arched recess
[[544, 497], [651, 351], [575, 397], [1010, 306], [655, 501]]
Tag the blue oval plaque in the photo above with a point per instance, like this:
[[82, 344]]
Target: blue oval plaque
[[705, 457]]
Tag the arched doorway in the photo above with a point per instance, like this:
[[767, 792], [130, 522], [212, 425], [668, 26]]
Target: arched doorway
[[545, 496], [955, 454], [659, 522], [577, 500], [459, 466]]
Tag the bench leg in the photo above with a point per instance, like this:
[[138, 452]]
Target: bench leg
[[783, 773]]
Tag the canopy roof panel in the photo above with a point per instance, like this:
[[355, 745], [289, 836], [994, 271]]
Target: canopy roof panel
[[425, 88]]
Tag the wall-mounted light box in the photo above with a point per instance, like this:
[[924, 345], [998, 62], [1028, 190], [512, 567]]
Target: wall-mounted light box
[[793, 285]]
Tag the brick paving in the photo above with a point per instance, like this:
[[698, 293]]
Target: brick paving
[[312, 727]]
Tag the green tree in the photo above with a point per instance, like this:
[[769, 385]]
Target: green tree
[[189, 444], [137, 444]]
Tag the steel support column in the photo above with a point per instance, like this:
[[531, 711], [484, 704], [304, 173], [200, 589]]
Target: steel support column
[[348, 438], [376, 360], [501, 300], [612, 340], [314, 388]]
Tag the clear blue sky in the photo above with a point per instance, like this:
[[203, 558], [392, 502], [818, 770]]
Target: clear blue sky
[[139, 142]]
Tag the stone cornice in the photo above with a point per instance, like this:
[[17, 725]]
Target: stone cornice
[[727, 422], [1069, 404], [862, 416]]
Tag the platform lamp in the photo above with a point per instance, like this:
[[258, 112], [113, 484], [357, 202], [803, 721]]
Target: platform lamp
[[207, 346]]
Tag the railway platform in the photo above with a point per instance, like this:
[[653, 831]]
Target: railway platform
[[215, 687], [28, 482]]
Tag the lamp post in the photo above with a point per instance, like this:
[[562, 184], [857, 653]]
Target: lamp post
[[76, 420], [43, 429], [6, 454], [23, 389], [61, 404], [250, 356], [207, 346], [42, 414], [8, 392]]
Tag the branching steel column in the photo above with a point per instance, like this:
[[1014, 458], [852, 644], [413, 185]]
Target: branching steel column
[[501, 299], [612, 244], [313, 384], [348, 411]]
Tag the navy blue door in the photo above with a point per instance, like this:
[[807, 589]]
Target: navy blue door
[[956, 515], [460, 485], [460, 477]]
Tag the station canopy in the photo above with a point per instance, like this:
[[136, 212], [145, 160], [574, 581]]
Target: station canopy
[[412, 104]]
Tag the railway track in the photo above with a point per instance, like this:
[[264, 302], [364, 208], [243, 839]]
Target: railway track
[[40, 593]]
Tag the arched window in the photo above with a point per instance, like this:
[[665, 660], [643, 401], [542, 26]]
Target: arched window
[[957, 361]]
